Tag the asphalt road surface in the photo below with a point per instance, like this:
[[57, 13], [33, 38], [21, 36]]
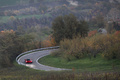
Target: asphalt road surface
[[35, 56]]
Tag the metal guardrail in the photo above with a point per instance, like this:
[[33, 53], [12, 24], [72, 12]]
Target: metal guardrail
[[55, 47]]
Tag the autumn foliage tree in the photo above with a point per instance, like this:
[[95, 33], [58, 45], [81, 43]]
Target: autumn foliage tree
[[105, 45], [50, 41], [92, 33], [11, 45]]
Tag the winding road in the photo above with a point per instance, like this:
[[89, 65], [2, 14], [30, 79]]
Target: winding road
[[35, 56]]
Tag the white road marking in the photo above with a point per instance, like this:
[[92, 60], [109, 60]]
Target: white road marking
[[35, 56]]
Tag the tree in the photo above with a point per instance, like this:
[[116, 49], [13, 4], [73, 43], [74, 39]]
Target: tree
[[58, 28], [100, 21], [114, 14], [68, 27], [97, 22], [31, 1], [82, 29], [116, 26], [7, 47], [11, 45], [42, 8], [40, 0]]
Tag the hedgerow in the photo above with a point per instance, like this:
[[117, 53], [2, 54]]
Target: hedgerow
[[106, 45]]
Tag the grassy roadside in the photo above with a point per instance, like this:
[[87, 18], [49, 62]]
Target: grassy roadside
[[85, 64], [19, 72]]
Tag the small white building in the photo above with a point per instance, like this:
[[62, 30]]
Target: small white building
[[102, 31]]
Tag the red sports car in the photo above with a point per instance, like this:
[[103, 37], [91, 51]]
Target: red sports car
[[28, 61]]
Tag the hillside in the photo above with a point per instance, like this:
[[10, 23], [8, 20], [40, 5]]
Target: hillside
[[7, 2], [74, 25], [34, 12], [17, 2]]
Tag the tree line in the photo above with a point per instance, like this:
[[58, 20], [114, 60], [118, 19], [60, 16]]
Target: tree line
[[13, 43], [67, 31], [76, 42], [89, 11]]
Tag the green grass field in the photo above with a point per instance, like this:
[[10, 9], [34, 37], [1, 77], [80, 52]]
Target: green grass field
[[85, 64], [4, 19], [7, 2], [19, 72], [15, 2], [10, 2]]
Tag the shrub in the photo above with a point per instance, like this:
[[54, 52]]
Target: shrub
[[57, 53], [50, 41], [92, 33], [113, 45], [78, 47]]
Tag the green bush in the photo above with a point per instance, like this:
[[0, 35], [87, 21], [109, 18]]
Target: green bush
[[112, 50], [57, 53], [106, 45]]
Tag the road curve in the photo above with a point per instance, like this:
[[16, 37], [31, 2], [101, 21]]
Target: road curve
[[35, 56]]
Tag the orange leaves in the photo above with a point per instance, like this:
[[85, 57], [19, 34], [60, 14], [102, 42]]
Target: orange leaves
[[16, 12], [92, 33], [20, 11], [46, 43], [2, 31], [12, 18], [117, 33], [7, 31], [108, 45], [49, 42]]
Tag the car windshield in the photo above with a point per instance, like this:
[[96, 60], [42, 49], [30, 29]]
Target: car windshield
[[28, 59]]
